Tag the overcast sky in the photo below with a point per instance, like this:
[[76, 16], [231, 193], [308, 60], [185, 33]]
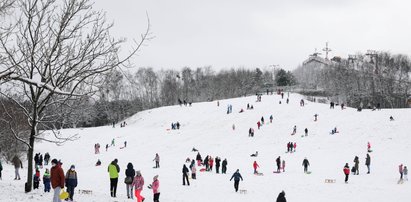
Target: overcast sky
[[258, 33]]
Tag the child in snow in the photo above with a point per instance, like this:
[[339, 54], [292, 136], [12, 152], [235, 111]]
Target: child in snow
[[401, 171], [46, 181], [255, 166], [346, 172], [138, 184], [405, 173], [156, 189], [36, 179]]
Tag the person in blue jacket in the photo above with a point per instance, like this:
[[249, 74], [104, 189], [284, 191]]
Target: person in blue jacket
[[71, 181], [237, 176]]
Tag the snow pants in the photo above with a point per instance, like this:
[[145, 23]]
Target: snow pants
[[138, 196], [156, 197], [70, 190], [346, 178], [17, 174], [113, 186]]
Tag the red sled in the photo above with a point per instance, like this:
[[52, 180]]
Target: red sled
[[202, 170]]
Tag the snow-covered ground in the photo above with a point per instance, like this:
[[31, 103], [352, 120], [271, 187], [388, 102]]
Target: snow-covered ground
[[208, 128]]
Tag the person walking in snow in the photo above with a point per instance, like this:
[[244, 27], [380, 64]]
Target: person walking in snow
[[36, 179], [178, 125], [255, 166], [113, 143], [113, 170], [294, 130], [193, 172], [262, 120], [138, 184], [211, 163], [258, 125], [46, 180], [405, 171], [291, 147], [106, 147], [368, 162], [236, 176], [224, 167], [206, 161], [283, 166], [46, 158], [17, 165], [401, 170], [306, 131], [217, 164], [185, 175], [155, 186], [130, 174], [41, 161], [199, 159], [278, 161], [356, 165], [306, 163], [315, 117], [71, 181], [295, 146], [281, 197], [57, 179], [346, 172], [271, 119], [157, 160], [288, 147]]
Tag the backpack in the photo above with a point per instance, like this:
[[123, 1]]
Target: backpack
[[128, 180]]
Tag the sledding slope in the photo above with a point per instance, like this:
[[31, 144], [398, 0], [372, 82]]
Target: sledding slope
[[208, 128]]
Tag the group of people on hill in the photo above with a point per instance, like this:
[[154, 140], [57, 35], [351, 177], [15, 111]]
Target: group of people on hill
[[134, 182], [38, 159], [184, 102], [262, 121], [175, 126], [291, 147]]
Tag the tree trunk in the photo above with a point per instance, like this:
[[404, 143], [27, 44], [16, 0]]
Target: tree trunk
[[30, 153]]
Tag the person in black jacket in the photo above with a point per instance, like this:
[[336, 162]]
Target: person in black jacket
[[281, 197], [278, 161], [206, 163], [237, 176], [199, 159], [217, 164], [368, 162], [130, 173], [306, 164], [224, 168], [185, 175]]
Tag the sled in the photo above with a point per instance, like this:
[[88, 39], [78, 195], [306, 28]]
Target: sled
[[64, 195], [308, 172], [243, 191], [202, 170], [84, 191], [330, 181], [276, 172], [259, 174], [400, 181]]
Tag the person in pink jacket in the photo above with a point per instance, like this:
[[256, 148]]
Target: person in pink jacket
[[138, 184], [156, 189]]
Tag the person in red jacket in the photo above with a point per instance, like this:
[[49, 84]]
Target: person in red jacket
[[57, 179], [258, 125], [295, 146], [255, 166], [211, 163], [346, 172]]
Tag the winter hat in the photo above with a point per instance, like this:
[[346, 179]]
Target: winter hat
[[54, 161], [115, 160], [72, 167], [155, 177], [138, 173]]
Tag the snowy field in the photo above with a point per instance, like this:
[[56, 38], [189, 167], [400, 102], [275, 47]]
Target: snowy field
[[209, 129]]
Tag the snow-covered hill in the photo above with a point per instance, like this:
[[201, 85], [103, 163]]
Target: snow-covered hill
[[208, 128]]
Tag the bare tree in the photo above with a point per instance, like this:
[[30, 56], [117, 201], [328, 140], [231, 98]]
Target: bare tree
[[53, 54]]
